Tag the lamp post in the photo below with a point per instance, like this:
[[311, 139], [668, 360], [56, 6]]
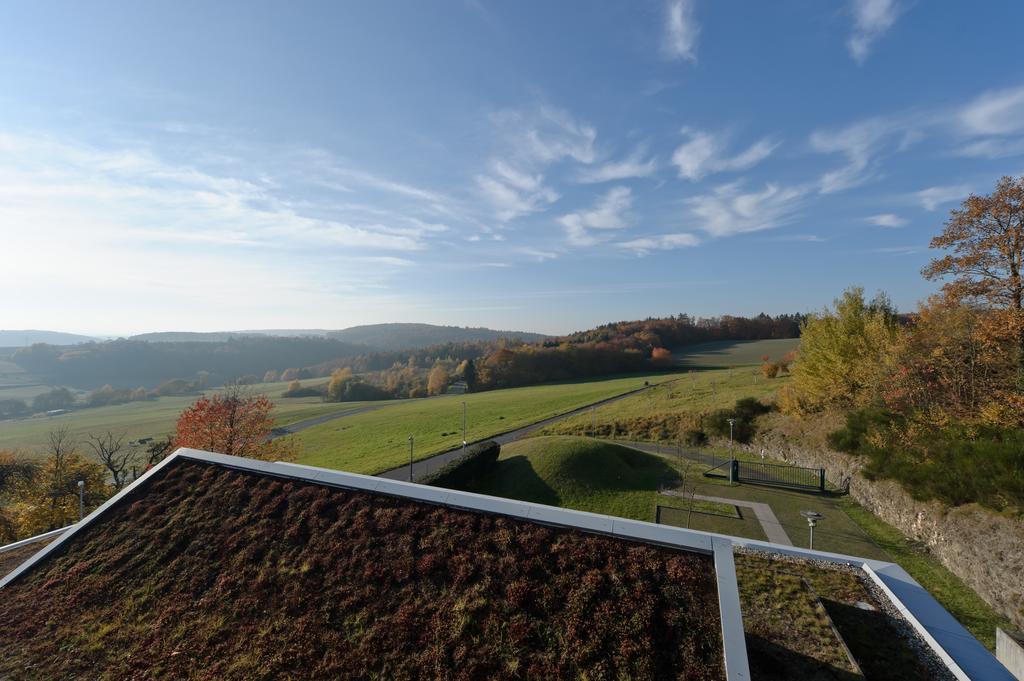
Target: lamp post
[[464, 428], [593, 422], [410, 458], [731, 422], [812, 519], [81, 500]]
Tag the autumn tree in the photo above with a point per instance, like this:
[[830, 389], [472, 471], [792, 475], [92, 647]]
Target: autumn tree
[[467, 371], [116, 455], [50, 499], [984, 238], [437, 382], [845, 354], [15, 473], [233, 423], [339, 381], [270, 376]]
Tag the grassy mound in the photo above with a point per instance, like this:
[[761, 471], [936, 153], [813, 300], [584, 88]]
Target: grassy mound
[[579, 473]]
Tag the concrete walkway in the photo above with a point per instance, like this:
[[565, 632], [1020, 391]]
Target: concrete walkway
[[426, 466], [765, 515]]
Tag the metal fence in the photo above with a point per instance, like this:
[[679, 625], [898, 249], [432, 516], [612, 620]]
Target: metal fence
[[782, 475]]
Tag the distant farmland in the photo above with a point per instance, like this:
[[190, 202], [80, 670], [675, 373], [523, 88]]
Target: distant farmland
[[151, 418]]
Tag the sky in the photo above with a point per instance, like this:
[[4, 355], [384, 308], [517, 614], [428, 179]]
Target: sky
[[540, 166]]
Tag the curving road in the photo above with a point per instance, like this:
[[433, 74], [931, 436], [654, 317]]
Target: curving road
[[429, 465]]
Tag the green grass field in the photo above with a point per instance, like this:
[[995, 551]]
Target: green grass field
[[694, 393], [376, 441], [151, 418], [724, 354], [580, 473]]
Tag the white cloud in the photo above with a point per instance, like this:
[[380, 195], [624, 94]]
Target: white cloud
[[871, 20], [632, 166], [533, 141], [514, 193], [728, 211], [681, 30], [609, 213], [1000, 112], [703, 154], [993, 148], [860, 143], [887, 220], [537, 254], [660, 242], [933, 197], [185, 245]]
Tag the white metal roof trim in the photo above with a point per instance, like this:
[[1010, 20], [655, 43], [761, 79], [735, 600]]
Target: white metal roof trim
[[734, 642], [33, 540]]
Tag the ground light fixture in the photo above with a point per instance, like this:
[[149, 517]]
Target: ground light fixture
[[81, 499], [731, 422], [812, 519]]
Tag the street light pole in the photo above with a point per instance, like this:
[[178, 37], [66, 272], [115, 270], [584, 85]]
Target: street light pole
[[731, 422], [463, 427], [593, 424], [410, 458], [81, 500]]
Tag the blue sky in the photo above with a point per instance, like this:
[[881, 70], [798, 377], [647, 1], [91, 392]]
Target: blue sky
[[530, 165]]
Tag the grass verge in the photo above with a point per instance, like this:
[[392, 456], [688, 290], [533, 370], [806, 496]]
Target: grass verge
[[949, 590]]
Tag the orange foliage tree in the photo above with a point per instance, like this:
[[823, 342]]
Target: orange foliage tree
[[985, 243], [235, 424]]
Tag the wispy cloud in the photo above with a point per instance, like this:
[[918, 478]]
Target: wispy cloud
[[871, 20], [681, 30], [933, 197], [995, 122], [861, 143], [728, 210], [583, 228], [704, 153], [634, 165], [533, 140], [659, 242], [887, 220], [514, 193], [999, 112]]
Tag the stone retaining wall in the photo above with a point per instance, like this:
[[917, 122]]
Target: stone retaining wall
[[982, 548]]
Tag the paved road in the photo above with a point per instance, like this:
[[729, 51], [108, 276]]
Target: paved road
[[425, 466]]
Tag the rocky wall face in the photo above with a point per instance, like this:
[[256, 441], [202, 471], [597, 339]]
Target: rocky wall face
[[984, 549]]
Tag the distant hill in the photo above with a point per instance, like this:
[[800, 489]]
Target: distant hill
[[387, 337], [377, 337], [16, 338], [195, 336]]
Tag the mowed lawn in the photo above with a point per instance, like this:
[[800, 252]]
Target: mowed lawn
[[719, 354], [152, 418], [694, 392], [378, 440]]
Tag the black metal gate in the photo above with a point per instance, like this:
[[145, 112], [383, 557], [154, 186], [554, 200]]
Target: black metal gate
[[782, 475]]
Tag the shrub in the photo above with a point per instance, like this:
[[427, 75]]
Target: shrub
[[956, 465], [694, 437], [853, 436], [477, 460], [744, 414], [770, 369]]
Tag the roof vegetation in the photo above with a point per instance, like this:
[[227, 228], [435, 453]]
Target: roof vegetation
[[207, 572]]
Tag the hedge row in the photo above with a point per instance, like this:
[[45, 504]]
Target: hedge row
[[477, 460]]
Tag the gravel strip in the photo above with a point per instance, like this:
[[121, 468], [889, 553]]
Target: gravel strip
[[936, 668]]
